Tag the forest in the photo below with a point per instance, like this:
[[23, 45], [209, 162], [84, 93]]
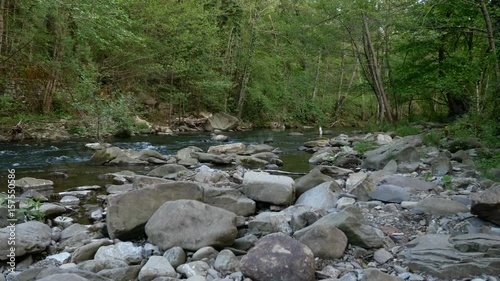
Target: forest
[[321, 62]]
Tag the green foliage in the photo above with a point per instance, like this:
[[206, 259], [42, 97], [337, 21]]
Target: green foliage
[[433, 137], [406, 130], [446, 181], [475, 125], [28, 213], [487, 163], [364, 146]]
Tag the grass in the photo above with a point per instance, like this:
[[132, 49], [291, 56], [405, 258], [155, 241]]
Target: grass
[[364, 146]]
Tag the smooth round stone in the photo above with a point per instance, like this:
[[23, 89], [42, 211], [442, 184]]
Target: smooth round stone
[[70, 200], [63, 221]]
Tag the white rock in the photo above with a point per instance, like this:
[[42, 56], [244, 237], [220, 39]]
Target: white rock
[[70, 200], [344, 202], [63, 221], [157, 266], [61, 257], [122, 251]]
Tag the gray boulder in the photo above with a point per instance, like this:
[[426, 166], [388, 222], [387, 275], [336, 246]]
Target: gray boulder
[[257, 148], [350, 220], [88, 251], [229, 199], [278, 257], [270, 222], [373, 274], [441, 166], [227, 261], [121, 251], [440, 206], [156, 267], [325, 241], [121, 273], [410, 182], [40, 185], [221, 121], [376, 159], [175, 256], [195, 268], [487, 205], [323, 196], [184, 156], [128, 212], [263, 187], [30, 237], [213, 158], [310, 180], [390, 193], [227, 148], [191, 225], [458, 257], [169, 171], [123, 157]]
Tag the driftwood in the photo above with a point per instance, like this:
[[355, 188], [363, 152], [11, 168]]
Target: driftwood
[[278, 172], [17, 132]]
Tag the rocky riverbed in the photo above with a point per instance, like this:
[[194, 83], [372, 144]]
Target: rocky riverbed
[[400, 211]]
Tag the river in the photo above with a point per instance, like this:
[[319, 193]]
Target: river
[[39, 159]]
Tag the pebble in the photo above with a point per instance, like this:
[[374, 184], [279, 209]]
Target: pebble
[[382, 256]]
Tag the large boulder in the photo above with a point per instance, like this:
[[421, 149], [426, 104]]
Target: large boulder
[[213, 158], [156, 266], [263, 187], [221, 121], [30, 237], [323, 196], [456, 257], [229, 199], [376, 159], [191, 225], [121, 251], [390, 193], [184, 156], [227, 148], [310, 180], [128, 212], [278, 257], [350, 220], [123, 157], [440, 206], [373, 274], [487, 205], [325, 241], [169, 171], [39, 185]]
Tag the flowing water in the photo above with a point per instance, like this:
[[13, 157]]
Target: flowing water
[[38, 160]]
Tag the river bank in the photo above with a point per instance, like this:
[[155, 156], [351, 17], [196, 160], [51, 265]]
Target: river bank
[[358, 211]]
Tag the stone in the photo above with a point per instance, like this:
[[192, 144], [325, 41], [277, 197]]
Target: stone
[[263, 187], [121, 273], [184, 156], [175, 256], [221, 159], [205, 253], [227, 148], [194, 268], [410, 182], [382, 256], [127, 213], [310, 180], [121, 251], [246, 242], [257, 148], [229, 199], [270, 222], [354, 180], [116, 156], [325, 241], [440, 207], [323, 196], [303, 216], [250, 161], [441, 166], [457, 144], [88, 251], [390, 193], [376, 159], [227, 261], [31, 237], [99, 265], [69, 200], [279, 257], [51, 209], [373, 274], [458, 257], [64, 277], [350, 221], [62, 257], [40, 185], [382, 139], [168, 171], [63, 221], [344, 202], [139, 181], [156, 266], [487, 204], [221, 121], [191, 225]]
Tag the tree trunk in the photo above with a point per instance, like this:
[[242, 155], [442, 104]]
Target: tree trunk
[[2, 8], [247, 68], [491, 37], [375, 74], [317, 77]]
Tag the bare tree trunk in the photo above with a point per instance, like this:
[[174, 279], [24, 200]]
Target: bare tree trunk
[[247, 68], [491, 38], [317, 76], [2, 9], [375, 74]]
